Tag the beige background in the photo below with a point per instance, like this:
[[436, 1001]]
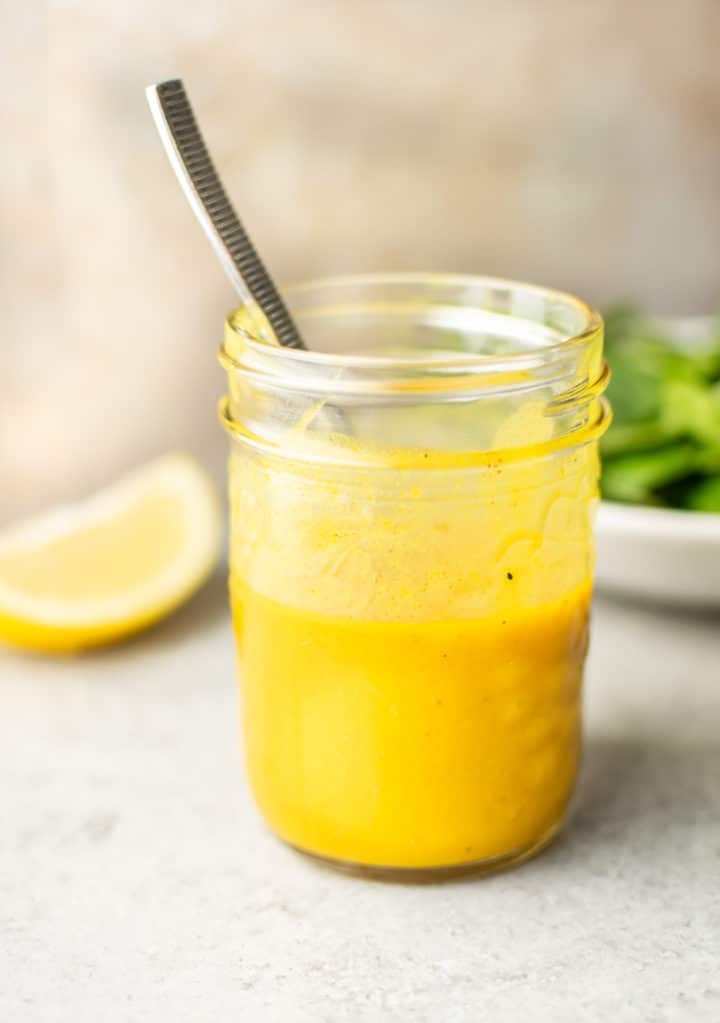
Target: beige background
[[574, 143]]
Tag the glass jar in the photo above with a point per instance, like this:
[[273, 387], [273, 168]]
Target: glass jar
[[411, 563]]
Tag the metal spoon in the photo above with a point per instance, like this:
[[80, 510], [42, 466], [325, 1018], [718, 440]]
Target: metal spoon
[[203, 189]]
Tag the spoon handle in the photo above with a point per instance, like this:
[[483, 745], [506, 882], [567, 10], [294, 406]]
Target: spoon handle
[[203, 189]]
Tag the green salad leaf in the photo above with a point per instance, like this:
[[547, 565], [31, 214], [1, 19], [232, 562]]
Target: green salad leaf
[[663, 447], [704, 495]]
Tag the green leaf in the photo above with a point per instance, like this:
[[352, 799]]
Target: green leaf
[[636, 477], [623, 438], [704, 496], [691, 409], [665, 437]]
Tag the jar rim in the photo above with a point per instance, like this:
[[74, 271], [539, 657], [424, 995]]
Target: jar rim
[[523, 359]]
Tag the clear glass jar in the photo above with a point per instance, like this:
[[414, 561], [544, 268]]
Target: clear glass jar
[[411, 565]]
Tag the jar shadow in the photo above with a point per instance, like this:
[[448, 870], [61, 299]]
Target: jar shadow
[[636, 792]]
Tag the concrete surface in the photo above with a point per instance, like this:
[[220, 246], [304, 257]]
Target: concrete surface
[[137, 884]]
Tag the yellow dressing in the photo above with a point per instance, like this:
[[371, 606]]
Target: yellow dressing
[[412, 649], [413, 744]]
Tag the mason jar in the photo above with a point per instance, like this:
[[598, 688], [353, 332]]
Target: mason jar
[[411, 565]]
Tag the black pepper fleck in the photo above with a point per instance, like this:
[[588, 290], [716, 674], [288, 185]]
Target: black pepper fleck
[[509, 575]]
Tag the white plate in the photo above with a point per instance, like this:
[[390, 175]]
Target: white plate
[[657, 553], [666, 555]]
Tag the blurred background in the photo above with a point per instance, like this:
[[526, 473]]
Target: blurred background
[[572, 143]]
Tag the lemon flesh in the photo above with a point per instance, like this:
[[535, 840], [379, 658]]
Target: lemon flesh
[[93, 572]]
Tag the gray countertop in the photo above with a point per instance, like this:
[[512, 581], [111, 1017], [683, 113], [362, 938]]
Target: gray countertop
[[137, 883]]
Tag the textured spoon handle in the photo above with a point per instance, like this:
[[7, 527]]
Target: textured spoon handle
[[198, 178]]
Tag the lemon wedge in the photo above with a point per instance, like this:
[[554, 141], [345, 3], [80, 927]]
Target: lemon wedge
[[93, 572]]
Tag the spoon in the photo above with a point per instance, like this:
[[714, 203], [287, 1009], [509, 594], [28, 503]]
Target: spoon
[[189, 158]]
